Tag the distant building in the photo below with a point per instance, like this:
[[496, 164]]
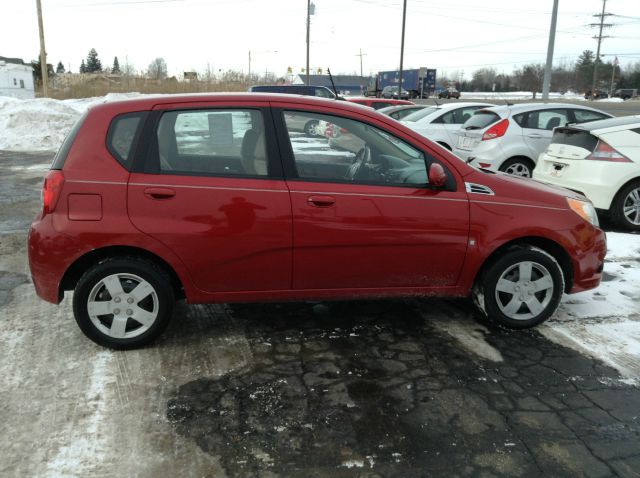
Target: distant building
[[347, 85], [16, 78]]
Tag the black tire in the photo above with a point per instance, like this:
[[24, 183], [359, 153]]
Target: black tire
[[628, 197], [518, 166], [109, 289], [310, 128], [506, 297]]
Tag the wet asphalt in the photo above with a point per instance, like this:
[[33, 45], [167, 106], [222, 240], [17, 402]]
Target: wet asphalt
[[394, 388]]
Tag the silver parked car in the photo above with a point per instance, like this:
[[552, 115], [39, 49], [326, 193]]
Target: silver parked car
[[510, 138]]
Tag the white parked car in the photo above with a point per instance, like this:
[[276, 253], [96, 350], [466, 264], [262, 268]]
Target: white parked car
[[601, 160], [439, 123], [510, 138]]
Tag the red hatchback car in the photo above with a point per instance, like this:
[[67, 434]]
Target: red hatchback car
[[217, 198]]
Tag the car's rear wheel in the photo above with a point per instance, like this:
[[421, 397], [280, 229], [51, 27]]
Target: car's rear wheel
[[521, 289], [522, 167], [123, 303], [625, 210]]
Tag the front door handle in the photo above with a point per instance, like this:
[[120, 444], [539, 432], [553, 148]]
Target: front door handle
[[159, 193], [321, 201]]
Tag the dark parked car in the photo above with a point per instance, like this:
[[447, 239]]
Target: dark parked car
[[449, 93], [214, 198], [307, 90], [626, 93]]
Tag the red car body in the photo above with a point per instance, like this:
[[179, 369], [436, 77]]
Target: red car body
[[228, 239]]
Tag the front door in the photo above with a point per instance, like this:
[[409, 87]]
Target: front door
[[369, 219]]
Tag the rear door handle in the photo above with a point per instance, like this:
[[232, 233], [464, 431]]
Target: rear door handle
[[321, 201], [534, 135], [159, 193]]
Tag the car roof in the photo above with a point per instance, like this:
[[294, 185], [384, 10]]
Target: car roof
[[462, 104], [144, 102], [621, 122], [503, 110], [393, 108]]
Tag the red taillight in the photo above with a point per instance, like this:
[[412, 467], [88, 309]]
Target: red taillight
[[604, 152], [343, 130], [497, 130], [51, 189]]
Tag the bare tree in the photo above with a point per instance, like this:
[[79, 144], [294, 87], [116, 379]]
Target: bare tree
[[530, 78], [157, 69]]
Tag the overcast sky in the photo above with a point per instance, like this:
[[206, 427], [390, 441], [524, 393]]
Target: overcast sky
[[191, 35]]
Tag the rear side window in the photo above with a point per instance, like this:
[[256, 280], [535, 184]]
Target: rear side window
[[219, 142], [480, 120], [63, 152], [546, 119], [572, 137], [582, 116], [122, 135]]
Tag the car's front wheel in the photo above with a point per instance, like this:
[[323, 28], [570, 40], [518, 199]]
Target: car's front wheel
[[521, 289], [625, 210], [310, 127], [123, 303]]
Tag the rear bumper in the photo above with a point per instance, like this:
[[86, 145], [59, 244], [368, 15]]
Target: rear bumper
[[50, 254], [598, 180]]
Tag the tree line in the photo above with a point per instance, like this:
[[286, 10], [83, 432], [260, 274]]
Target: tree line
[[576, 77]]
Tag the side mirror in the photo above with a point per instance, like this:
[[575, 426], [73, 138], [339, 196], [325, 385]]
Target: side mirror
[[437, 175]]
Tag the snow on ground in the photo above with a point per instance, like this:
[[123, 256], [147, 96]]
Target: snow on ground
[[604, 323]]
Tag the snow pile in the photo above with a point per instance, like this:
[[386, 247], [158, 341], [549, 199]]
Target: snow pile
[[41, 124], [518, 95]]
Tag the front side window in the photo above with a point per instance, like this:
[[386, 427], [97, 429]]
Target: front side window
[[346, 150], [546, 119], [218, 142]]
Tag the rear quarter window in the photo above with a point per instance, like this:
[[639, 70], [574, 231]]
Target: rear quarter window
[[122, 136], [480, 120]]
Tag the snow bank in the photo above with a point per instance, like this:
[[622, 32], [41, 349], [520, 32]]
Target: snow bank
[[518, 95], [41, 124]]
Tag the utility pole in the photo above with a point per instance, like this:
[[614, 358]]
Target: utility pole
[[546, 83], [249, 75], [361, 74], [602, 24], [404, 17], [43, 54], [310, 8]]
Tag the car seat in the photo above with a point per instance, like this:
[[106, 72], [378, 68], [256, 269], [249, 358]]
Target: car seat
[[553, 122]]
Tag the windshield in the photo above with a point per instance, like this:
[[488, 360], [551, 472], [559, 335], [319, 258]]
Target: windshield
[[480, 119], [420, 114]]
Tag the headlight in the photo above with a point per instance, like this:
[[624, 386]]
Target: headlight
[[585, 210]]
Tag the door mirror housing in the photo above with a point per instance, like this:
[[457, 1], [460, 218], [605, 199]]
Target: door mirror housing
[[437, 175]]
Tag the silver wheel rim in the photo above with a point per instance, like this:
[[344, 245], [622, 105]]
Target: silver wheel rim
[[524, 290], [631, 207], [123, 306], [519, 169]]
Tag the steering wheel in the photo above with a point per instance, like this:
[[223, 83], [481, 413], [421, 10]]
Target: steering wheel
[[363, 156]]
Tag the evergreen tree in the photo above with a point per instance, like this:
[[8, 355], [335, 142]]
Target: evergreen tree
[[93, 62], [116, 66], [584, 70], [60, 68], [83, 67]]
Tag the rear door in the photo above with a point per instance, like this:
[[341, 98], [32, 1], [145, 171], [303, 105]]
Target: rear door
[[212, 191], [537, 128]]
